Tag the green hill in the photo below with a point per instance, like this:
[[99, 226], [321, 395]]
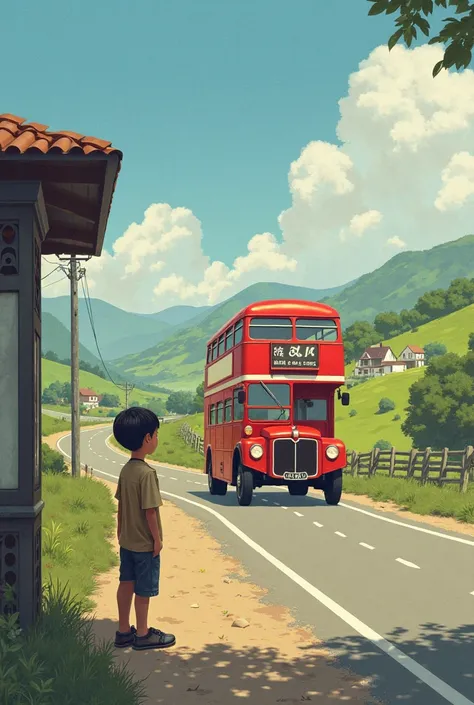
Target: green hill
[[54, 371], [57, 338], [178, 361], [362, 431], [403, 279]]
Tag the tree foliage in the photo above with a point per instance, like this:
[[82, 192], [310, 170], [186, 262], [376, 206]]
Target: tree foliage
[[57, 393], [441, 404], [457, 34], [434, 350], [110, 400], [180, 402], [386, 405]]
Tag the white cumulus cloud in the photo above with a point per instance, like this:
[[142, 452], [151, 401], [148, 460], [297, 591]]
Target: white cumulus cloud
[[400, 177]]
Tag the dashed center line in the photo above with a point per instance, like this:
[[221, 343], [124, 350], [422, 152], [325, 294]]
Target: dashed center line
[[407, 563], [277, 504], [264, 500], [316, 523], [472, 593], [339, 533], [367, 545], [298, 514], [284, 507]]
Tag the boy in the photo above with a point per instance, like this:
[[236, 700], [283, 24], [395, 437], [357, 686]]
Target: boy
[[139, 530]]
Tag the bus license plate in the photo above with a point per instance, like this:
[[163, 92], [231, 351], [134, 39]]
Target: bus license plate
[[295, 475]]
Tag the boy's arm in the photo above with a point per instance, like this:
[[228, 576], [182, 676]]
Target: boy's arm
[[119, 510], [150, 502]]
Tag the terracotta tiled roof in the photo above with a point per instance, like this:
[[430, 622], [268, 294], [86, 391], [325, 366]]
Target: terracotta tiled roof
[[20, 137], [415, 348], [377, 352], [87, 392]]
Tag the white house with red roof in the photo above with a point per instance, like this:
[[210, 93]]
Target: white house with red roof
[[380, 360], [89, 398], [413, 355]]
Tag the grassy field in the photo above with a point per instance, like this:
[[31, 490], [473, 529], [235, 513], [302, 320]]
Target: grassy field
[[78, 520], [50, 424], [56, 372], [171, 447]]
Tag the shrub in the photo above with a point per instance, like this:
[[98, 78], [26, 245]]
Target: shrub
[[386, 405], [112, 413], [397, 417], [52, 460], [352, 412], [383, 445], [58, 659]]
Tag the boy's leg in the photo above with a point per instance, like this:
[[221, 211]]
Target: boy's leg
[[147, 570], [125, 634]]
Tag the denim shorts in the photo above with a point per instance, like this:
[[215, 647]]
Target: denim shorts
[[141, 568]]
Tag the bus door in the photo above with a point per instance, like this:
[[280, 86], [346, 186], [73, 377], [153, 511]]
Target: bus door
[[312, 406]]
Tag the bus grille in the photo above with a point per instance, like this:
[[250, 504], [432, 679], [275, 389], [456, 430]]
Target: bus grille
[[295, 456]]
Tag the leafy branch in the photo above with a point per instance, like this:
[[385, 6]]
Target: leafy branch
[[457, 34]]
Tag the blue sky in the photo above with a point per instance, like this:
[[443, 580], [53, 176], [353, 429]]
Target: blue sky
[[209, 100]]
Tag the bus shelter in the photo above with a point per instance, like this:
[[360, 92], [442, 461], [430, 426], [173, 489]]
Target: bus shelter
[[56, 190]]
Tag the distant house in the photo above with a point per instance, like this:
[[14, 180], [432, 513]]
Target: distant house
[[378, 360], [89, 398], [413, 356]]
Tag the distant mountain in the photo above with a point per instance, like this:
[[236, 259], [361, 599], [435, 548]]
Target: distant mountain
[[57, 338], [403, 279], [118, 332], [178, 361]]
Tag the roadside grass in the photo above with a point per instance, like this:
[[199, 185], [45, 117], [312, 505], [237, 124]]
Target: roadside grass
[[51, 424], [412, 496], [98, 412], [78, 521], [171, 447]]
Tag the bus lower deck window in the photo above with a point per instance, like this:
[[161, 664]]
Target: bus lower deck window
[[212, 415], [228, 410], [270, 329], [238, 408], [220, 411], [310, 409], [316, 329]]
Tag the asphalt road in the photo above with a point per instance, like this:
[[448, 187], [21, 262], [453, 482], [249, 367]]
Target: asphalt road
[[393, 599]]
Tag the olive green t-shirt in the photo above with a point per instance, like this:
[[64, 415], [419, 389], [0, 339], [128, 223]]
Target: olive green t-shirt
[[138, 489]]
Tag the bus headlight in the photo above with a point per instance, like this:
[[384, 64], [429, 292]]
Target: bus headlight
[[248, 430], [256, 451], [332, 452]]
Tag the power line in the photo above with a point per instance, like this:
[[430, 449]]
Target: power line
[[51, 272], [53, 283], [85, 290]]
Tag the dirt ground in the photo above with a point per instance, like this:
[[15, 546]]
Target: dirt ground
[[203, 592]]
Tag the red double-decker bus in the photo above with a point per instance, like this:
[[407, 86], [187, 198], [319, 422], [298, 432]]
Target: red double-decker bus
[[272, 376]]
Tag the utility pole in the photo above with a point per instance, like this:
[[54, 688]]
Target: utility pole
[[75, 421], [74, 272], [128, 390]]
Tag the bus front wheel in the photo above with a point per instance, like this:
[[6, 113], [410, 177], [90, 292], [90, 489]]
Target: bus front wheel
[[216, 486], [298, 489], [333, 487], [244, 486]]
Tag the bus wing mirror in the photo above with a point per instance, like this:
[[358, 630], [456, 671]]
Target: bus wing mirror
[[241, 396], [345, 398]]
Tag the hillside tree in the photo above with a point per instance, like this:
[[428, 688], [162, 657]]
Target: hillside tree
[[112, 400], [388, 324], [199, 398], [357, 337], [434, 350], [180, 402], [432, 304], [411, 318], [457, 34], [440, 410], [470, 342]]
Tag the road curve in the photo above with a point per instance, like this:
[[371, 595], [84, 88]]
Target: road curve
[[393, 599]]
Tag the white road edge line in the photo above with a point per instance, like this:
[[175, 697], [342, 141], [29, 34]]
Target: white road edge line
[[298, 514], [407, 563], [407, 526], [316, 523], [367, 545], [451, 695], [339, 533], [431, 532]]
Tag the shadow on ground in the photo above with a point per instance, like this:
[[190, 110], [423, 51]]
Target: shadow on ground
[[282, 497], [221, 674]]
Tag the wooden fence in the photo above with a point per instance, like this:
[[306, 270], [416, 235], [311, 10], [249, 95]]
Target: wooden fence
[[440, 467]]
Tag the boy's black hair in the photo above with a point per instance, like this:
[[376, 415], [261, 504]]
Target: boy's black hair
[[132, 425]]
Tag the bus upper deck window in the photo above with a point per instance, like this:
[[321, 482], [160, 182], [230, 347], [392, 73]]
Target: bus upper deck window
[[221, 345], [316, 329], [238, 332], [229, 338], [270, 329], [214, 350]]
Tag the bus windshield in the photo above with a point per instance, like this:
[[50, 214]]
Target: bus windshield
[[269, 408], [310, 410]]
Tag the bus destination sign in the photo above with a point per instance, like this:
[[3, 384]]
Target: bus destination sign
[[286, 355]]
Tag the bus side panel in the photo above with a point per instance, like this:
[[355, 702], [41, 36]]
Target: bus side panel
[[228, 451]]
